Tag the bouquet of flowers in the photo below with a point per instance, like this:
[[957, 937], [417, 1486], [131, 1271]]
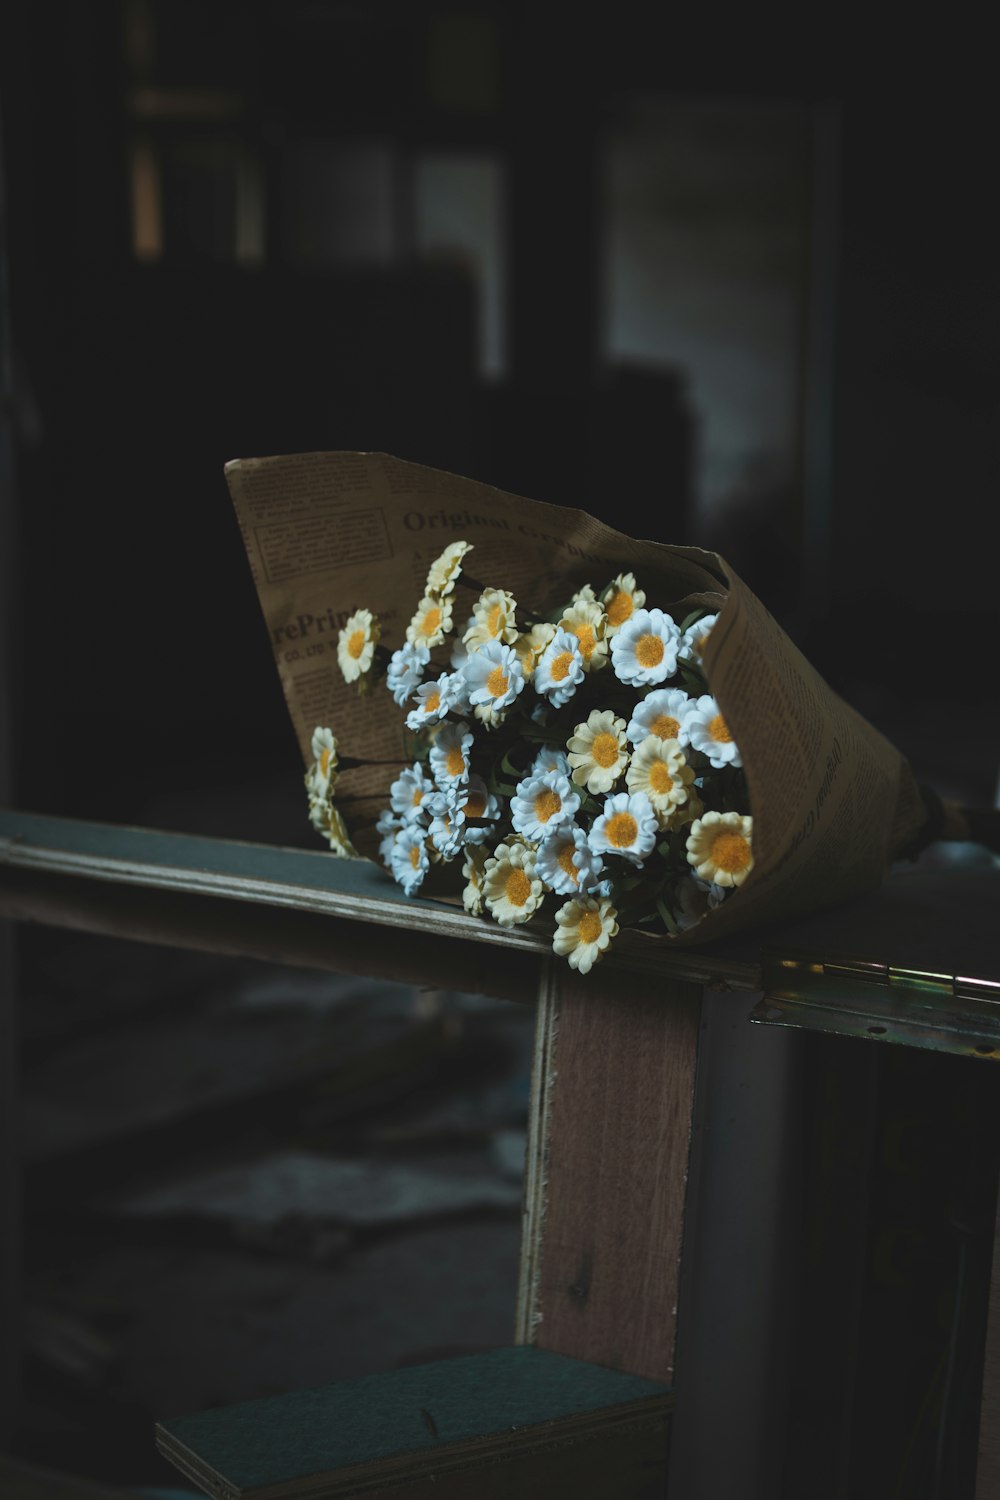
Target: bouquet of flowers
[[570, 726], [574, 763]]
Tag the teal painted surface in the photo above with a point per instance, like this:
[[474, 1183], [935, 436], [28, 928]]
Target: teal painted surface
[[412, 1410]]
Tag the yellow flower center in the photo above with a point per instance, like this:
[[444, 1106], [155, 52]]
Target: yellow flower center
[[660, 778], [621, 830], [649, 651], [517, 886], [497, 682], [566, 862], [432, 703], [414, 856], [619, 608], [665, 727], [418, 796], [475, 807], [547, 804], [605, 749], [494, 620], [559, 669], [590, 927], [585, 635], [702, 641], [324, 761], [455, 761], [730, 851], [431, 621], [356, 644], [719, 730]]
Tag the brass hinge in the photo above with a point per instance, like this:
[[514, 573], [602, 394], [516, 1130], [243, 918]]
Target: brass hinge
[[852, 996]]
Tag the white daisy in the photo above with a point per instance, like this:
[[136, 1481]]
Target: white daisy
[[584, 929], [560, 669], [455, 693], [444, 572], [323, 771], [584, 595], [644, 652], [495, 677], [566, 862], [449, 755], [693, 899], [431, 705], [661, 712], [621, 599], [720, 847], [492, 619], [659, 769], [406, 670], [478, 806], [512, 889], [587, 621], [708, 732], [542, 803], [597, 751], [473, 868], [356, 644], [447, 827], [627, 826], [409, 859], [407, 793], [694, 638], [387, 826], [432, 621], [550, 758]]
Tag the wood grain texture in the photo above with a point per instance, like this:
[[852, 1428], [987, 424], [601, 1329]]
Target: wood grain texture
[[303, 939], [988, 1457], [607, 1168]]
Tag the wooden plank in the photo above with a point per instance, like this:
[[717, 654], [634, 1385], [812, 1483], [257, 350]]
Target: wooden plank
[[607, 1167], [283, 935], [38, 854], [988, 1457]]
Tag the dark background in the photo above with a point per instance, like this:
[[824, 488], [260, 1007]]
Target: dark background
[[733, 287], [270, 308]]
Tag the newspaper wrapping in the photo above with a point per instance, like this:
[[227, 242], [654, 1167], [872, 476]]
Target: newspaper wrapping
[[328, 533]]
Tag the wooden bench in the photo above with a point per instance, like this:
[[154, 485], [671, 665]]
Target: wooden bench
[[614, 1095]]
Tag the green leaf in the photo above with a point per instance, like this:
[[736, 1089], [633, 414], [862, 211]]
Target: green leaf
[[666, 916], [693, 617]]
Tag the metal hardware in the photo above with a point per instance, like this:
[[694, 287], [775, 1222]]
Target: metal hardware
[[849, 996]]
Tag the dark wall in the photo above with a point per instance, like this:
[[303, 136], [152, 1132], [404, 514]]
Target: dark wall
[[140, 644]]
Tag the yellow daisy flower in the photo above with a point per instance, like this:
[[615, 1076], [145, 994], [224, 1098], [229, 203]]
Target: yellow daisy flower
[[444, 572], [511, 889], [340, 839], [492, 619], [720, 847], [587, 621], [431, 621], [474, 869], [597, 751], [356, 644], [659, 769], [584, 929], [621, 599], [532, 645]]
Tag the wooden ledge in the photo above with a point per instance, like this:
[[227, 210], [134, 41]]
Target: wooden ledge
[[292, 906]]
